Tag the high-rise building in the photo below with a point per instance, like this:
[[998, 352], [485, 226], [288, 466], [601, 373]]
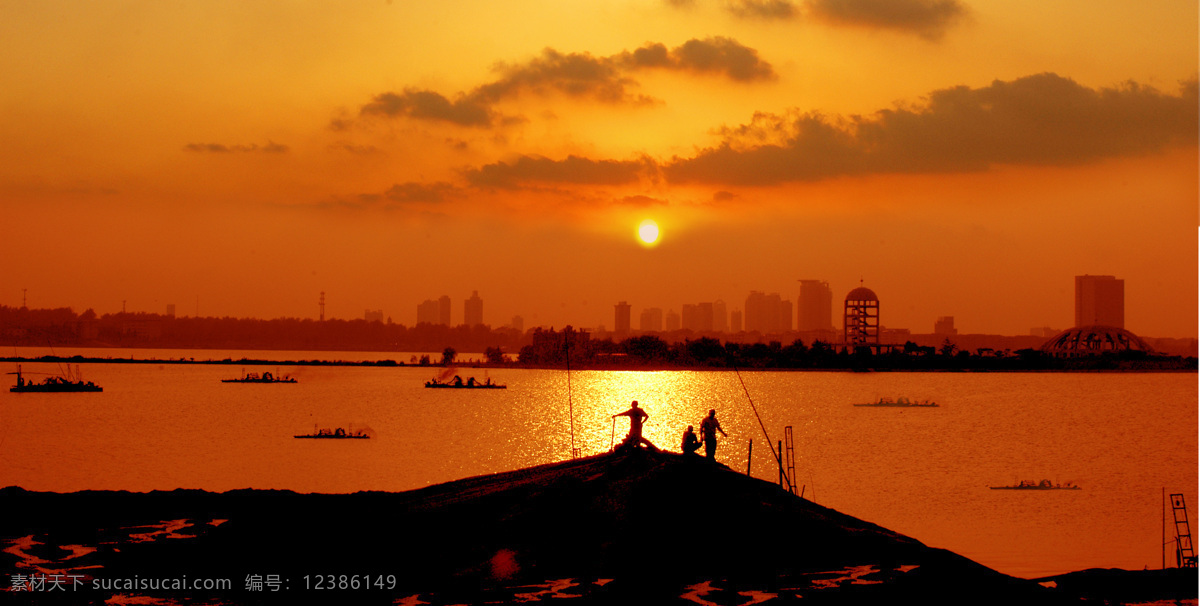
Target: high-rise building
[[473, 310], [518, 323], [1099, 300], [816, 306], [767, 313], [444, 310], [427, 312], [698, 317], [690, 317], [621, 318], [170, 310], [735, 321], [945, 326], [756, 312], [672, 320], [720, 316], [373, 315], [652, 319], [705, 317]]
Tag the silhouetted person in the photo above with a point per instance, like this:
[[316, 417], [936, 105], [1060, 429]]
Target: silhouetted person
[[709, 428], [690, 442], [457, 381], [636, 416], [471, 382]]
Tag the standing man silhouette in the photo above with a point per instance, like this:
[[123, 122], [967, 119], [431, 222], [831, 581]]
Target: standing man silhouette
[[636, 417], [709, 428]]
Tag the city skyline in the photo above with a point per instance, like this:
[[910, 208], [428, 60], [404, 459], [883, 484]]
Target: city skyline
[[963, 158], [1097, 300]]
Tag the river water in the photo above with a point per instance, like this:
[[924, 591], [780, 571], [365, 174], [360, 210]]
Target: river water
[[1122, 437]]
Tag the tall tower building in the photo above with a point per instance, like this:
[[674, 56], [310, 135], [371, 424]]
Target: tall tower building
[[621, 320], [444, 310], [735, 321], [1099, 300], [473, 310], [816, 306], [945, 326], [652, 319], [767, 313], [720, 316], [427, 312], [691, 317], [861, 318], [672, 321], [756, 312]]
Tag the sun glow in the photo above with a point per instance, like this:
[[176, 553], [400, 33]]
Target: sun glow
[[648, 231]]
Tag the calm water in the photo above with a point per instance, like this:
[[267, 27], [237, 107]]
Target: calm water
[[924, 472]]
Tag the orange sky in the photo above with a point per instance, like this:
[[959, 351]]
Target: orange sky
[[961, 157]]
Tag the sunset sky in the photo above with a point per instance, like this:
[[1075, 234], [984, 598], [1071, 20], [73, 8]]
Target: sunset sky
[[960, 157]]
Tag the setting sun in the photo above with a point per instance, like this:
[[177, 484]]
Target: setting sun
[[648, 231]]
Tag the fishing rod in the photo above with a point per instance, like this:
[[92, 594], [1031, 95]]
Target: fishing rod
[[778, 455], [570, 404]]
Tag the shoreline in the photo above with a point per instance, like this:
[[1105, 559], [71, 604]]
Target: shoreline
[[610, 524], [389, 363]]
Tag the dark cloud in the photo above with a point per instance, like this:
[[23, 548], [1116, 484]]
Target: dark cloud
[[763, 9], [712, 55], [927, 18], [576, 75], [358, 150], [1040, 120], [428, 105], [572, 170], [642, 201], [217, 148], [410, 192], [572, 74]]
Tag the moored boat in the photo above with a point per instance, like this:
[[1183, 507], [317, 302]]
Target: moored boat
[[266, 377], [900, 403], [457, 383], [1043, 485], [53, 384], [335, 434]]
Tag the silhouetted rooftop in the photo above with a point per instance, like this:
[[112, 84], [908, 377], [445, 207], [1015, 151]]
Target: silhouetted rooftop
[[1095, 339], [862, 293]]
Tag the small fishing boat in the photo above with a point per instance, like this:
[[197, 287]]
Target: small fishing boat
[[335, 434], [56, 384], [1043, 485], [457, 383], [900, 403], [266, 377]]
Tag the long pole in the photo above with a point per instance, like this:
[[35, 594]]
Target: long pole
[[570, 404], [749, 455], [778, 455], [1162, 506]]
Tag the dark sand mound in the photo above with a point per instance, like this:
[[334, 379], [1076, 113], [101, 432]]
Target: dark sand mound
[[628, 527]]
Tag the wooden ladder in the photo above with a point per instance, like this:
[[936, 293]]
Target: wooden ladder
[[1185, 555]]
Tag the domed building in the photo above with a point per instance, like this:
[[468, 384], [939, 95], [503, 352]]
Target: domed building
[[861, 326], [1093, 340]]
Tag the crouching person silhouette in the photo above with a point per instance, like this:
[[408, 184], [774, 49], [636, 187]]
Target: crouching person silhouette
[[690, 442]]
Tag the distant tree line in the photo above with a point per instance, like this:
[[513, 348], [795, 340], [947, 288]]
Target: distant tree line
[[55, 327], [706, 352]]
